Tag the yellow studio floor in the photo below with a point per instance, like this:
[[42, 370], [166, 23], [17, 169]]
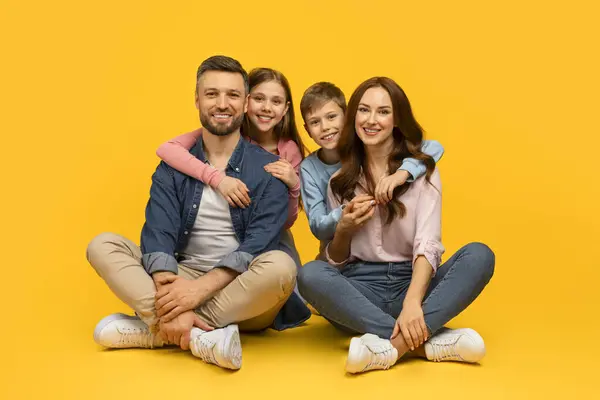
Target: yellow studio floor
[[540, 344], [54, 355], [303, 363]]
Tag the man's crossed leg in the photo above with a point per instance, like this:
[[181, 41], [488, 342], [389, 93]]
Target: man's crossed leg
[[251, 301]]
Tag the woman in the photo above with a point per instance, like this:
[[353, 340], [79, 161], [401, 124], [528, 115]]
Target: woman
[[383, 277]]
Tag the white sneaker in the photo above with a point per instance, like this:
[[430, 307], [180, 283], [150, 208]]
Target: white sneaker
[[370, 352], [220, 347], [464, 345], [120, 331]]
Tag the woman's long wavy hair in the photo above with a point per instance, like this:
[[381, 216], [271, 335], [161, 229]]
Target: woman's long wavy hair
[[408, 136]]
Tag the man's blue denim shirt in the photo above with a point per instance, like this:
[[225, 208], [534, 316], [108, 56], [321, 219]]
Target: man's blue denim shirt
[[173, 205]]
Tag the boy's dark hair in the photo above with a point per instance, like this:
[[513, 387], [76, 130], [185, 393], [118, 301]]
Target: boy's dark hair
[[225, 64], [319, 94]]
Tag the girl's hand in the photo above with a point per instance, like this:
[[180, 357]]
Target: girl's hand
[[284, 171]]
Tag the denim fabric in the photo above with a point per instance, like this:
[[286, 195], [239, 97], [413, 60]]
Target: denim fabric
[[367, 297], [173, 206]]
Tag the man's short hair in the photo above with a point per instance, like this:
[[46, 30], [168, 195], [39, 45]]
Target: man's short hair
[[318, 95], [225, 64]]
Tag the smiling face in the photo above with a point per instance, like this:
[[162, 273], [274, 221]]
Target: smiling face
[[221, 101], [325, 124], [267, 105], [374, 121]]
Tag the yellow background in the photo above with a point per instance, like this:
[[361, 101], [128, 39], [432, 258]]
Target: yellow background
[[89, 90]]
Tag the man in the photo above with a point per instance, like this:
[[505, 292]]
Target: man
[[205, 269]]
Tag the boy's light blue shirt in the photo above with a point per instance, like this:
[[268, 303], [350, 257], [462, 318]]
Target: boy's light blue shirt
[[315, 175]]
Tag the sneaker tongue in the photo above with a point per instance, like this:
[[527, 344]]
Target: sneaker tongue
[[381, 352], [378, 346], [443, 351], [205, 349], [195, 332]]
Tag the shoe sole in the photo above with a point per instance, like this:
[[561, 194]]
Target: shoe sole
[[231, 347], [107, 320], [352, 350]]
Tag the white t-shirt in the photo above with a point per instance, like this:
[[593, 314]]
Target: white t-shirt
[[212, 236]]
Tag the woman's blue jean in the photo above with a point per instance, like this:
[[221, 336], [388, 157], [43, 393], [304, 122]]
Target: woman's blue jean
[[367, 297]]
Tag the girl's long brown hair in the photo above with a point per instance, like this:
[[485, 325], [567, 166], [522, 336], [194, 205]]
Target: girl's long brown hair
[[286, 128], [408, 136]]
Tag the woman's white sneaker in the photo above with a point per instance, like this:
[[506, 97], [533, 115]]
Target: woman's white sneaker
[[370, 352], [221, 347], [464, 345], [120, 331]]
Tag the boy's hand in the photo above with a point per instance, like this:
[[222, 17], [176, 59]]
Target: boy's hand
[[384, 191], [234, 191]]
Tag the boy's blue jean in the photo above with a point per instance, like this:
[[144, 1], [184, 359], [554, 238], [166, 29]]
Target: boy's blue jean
[[366, 297]]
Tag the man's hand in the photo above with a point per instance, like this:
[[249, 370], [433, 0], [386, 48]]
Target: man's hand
[[356, 213], [159, 277], [177, 295], [177, 331], [384, 191], [284, 171], [234, 191]]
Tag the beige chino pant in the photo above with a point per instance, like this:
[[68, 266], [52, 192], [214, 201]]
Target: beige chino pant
[[251, 300]]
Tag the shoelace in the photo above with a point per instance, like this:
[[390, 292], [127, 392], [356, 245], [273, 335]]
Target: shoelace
[[205, 347], [444, 349], [136, 337], [382, 354]]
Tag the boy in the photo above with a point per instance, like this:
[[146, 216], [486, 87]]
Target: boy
[[322, 107]]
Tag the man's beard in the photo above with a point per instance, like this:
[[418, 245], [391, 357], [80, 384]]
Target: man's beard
[[221, 129]]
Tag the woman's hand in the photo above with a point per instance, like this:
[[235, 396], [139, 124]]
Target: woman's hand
[[411, 323], [357, 213], [284, 171]]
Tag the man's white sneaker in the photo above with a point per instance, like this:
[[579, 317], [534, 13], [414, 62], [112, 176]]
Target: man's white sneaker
[[120, 331], [370, 352], [464, 345], [221, 347]]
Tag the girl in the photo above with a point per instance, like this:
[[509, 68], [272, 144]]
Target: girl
[[383, 277], [269, 123]]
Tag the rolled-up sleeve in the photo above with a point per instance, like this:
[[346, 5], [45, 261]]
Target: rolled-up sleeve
[[334, 263], [428, 240], [237, 261]]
